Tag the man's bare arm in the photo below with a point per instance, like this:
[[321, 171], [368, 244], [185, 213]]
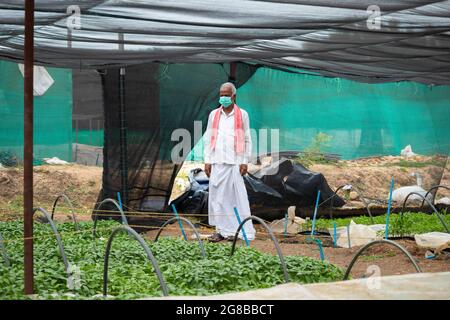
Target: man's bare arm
[[206, 144], [243, 169]]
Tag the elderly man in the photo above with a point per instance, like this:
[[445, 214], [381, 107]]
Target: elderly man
[[228, 148]]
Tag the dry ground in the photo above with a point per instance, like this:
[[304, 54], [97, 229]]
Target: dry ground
[[80, 183]]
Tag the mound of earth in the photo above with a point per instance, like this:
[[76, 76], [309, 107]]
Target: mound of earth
[[80, 183]]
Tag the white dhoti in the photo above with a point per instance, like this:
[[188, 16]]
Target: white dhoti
[[226, 191]]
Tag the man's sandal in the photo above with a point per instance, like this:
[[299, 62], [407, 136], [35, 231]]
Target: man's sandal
[[216, 237]]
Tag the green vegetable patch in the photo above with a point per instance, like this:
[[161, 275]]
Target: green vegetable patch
[[412, 223], [131, 276]]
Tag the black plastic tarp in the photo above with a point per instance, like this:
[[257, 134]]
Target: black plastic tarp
[[265, 202], [364, 40], [298, 185], [270, 190]]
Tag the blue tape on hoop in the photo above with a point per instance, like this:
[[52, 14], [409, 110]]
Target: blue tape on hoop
[[389, 209], [239, 221], [315, 214], [179, 221], [335, 235], [120, 200]]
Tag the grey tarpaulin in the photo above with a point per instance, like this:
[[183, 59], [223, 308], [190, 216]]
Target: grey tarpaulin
[[325, 36]]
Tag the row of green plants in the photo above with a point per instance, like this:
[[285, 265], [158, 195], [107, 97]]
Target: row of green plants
[[411, 224], [131, 275]]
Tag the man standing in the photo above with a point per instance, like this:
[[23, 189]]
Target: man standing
[[228, 147]]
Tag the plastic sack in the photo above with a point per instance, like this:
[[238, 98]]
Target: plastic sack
[[437, 241], [294, 224], [400, 194], [359, 234], [42, 80], [445, 200], [407, 152], [54, 160]]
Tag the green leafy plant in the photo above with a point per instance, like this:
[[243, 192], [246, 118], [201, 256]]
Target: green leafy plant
[[131, 275], [8, 159], [435, 161], [314, 152], [411, 224]]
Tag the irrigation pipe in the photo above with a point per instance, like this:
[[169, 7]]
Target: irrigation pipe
[[58, 239], [392, 243], [274, 240], [72, 210], [179, 219], [147, 250], [429, 203], [434, 195], [366, 204], [109, 200]]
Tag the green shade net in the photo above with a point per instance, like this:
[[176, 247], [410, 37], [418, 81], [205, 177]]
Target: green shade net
[[363, 119], [52, 114], [92, 137]]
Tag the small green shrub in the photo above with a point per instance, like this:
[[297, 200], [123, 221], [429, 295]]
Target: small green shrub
[[314, 152], [8, 159]]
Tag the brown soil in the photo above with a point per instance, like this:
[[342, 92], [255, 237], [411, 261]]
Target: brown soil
[[80, 183], [373, 176]]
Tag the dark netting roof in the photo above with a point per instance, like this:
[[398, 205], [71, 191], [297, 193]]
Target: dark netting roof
[[326, 36]]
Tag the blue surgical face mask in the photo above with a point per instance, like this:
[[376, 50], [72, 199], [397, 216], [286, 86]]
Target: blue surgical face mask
[[225, 101]]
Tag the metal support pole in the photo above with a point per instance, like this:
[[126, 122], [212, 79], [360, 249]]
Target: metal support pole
[[123, 138], [232, 77], [123, 129], [28, 148]]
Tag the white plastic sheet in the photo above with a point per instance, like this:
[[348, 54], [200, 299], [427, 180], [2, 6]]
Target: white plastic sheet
[[399, 195], [42, 80], [359, 234], [436, 241], [54, 160]]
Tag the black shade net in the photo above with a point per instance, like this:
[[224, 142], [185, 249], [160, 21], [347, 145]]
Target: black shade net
[[159, 99]]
